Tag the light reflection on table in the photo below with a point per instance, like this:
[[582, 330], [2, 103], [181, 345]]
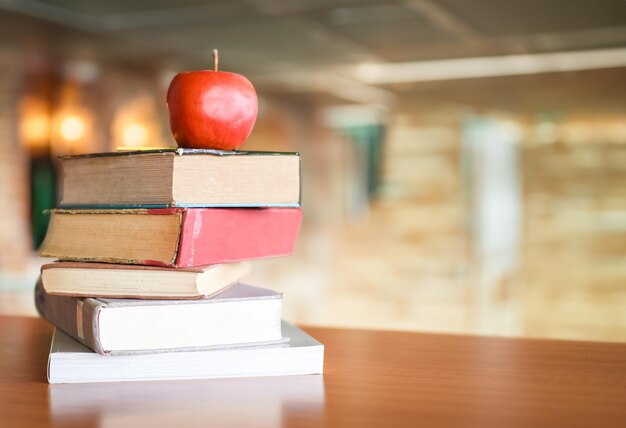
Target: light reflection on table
[[251, 402]]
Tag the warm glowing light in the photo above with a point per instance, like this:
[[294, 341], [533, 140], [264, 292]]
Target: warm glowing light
[[72, 128], [34, 128], [136, 124], [135, 135], [71, 131], [73, 123]]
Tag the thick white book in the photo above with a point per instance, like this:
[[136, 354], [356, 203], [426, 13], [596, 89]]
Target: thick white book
[[241, 315], [71, 362]]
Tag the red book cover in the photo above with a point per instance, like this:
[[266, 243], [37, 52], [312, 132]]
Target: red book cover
[[213, 235], [173, 237]]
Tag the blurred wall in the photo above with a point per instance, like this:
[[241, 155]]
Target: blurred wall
[[15, 231], [397, 205]]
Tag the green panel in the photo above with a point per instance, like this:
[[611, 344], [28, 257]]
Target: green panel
[[43, 196], [370, 138]]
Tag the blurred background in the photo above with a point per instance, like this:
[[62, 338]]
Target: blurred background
[[464, 162]]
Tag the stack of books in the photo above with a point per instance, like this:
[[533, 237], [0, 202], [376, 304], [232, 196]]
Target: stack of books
[[151, 247]]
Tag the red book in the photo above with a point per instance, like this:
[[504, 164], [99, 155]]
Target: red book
[[176, 237]]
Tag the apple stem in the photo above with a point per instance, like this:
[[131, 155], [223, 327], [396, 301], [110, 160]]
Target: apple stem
[[216, 59]]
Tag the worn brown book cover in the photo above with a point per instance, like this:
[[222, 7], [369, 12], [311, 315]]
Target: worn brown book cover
[[175, 237], [181, 178]]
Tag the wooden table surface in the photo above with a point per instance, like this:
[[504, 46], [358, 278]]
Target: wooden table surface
[[371, 378]]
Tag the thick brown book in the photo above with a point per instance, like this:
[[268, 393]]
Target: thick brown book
[[181, 178], [175, 237], [139, 282], [241, 315]]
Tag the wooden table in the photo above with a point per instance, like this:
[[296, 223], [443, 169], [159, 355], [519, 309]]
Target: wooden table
[[372, 378]]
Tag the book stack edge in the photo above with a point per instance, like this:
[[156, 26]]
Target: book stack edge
[[151, 249]]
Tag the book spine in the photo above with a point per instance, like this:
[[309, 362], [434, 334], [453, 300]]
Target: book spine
[[215, 235], [75, 316]]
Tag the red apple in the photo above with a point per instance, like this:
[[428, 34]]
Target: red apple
[[211, 109]]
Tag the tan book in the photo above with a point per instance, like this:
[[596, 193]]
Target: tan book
[[181, 178], [139, 282]]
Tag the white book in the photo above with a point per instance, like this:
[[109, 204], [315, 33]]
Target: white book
[[241, 315], [71, 362]]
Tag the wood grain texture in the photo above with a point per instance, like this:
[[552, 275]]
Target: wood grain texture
[[371, 379]]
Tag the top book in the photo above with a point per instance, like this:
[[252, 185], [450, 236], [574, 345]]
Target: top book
[[181, 178]]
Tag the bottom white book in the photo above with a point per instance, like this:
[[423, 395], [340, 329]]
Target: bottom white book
[[71, 362]]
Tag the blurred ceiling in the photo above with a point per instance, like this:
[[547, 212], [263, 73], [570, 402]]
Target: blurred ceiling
[[320, 45]]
